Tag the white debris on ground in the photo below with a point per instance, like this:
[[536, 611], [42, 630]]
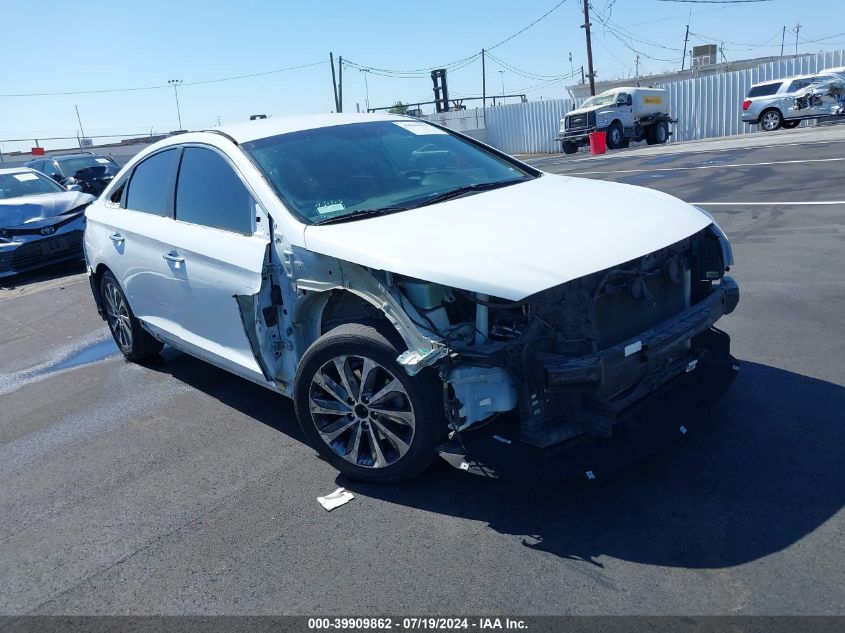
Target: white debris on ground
[[336, 499]]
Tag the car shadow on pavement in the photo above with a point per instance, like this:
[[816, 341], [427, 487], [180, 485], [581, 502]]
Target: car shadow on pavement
[[766, 471], [55, 271]]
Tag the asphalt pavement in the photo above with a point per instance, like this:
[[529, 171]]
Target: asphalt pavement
[[176, 488]]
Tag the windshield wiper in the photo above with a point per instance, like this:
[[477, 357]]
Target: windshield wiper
[[459, 191], [359, 215]]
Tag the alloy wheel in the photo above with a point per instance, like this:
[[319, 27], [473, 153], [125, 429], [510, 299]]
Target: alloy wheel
[[117, 313], [770, 120], [362, 411]]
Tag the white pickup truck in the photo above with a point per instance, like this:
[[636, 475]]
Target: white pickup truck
[[625, 114]]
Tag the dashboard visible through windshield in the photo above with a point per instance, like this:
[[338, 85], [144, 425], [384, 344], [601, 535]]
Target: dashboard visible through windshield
[[347, 171]]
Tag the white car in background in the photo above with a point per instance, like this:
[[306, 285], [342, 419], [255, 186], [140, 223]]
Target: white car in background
[[405, 285]]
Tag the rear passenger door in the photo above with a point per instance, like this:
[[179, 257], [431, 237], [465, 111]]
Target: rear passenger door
[[128, 232], [216, 255]]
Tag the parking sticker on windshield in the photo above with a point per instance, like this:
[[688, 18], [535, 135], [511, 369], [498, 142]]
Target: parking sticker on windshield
[[25, 177], [330, 207], [419, 128], [104, 161]]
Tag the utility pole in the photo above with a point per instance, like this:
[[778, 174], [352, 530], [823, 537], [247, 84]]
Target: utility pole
[[175, 83], [684, 58], [483, 81], [782, 41], [80, 125], [366, 71], [502, 73], [571, 67], [334, 81], [796, 29], [340, 84], [637, 73], [586, 26], [582, 75]]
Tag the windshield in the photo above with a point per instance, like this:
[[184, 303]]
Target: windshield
[[72, 165], [328, 173], [26, 183], [599, 100]]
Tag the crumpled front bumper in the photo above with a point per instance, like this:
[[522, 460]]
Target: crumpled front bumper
[[670, 397]]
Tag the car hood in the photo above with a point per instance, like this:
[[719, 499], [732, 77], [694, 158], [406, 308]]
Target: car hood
[[17, 211], [518, 240], [595, 109]]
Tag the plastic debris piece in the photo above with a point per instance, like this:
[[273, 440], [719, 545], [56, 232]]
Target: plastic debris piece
[[683, 429], [736, 367], [501, 439], [692, 364], [335, 499], [590, 474], [464, 465]]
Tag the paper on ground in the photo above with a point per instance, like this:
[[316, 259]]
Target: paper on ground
[[335, 499]]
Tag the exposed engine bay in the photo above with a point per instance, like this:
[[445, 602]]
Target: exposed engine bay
[[572, 357]]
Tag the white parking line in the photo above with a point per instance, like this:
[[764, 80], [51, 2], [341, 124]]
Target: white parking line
[[769, 204], [636, 171]]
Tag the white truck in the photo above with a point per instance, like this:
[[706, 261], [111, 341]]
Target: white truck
[[625, 114]]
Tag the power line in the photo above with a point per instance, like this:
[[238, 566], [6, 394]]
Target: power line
[[160, 86], [454, 65]]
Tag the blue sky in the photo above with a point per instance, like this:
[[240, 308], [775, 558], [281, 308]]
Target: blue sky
[[55, 47]]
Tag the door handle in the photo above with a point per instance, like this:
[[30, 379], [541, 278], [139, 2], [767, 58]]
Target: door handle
[[173, 257], [117, 238]]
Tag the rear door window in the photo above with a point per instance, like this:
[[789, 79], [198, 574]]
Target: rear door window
[[152, 182], [765, 89], [799, 83], [210, 193]]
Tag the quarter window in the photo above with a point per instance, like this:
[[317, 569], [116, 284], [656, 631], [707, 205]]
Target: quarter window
[[150, 186], [765, 89], [209, 193]]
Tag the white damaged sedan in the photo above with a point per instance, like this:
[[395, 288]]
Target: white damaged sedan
[[405, 285]]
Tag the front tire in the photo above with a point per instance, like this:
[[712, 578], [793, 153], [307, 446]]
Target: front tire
[[615, 136], [771, 120], [133, 340], [361, 410], [569, 147]]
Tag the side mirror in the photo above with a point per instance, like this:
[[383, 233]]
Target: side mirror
[[74, 187]]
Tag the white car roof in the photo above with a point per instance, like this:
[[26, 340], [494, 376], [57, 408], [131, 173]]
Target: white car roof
[[15, 170], [263, 128]]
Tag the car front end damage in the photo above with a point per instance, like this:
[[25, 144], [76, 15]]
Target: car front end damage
[[579, 360], [41, 243]]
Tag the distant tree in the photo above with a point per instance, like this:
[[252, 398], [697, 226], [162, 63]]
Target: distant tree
[[399, 108]]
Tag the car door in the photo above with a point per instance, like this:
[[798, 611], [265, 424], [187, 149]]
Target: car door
[[216, 256], [132, 230], [624, 104], [796, 93]]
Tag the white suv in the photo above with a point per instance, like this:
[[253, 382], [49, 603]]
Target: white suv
[[405, 284]]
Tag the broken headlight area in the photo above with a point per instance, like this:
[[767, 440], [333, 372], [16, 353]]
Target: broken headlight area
[[575, 358]]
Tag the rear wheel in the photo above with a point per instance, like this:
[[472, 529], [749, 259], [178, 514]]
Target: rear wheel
[[133, 340], [569, 147], [661, 132], [615, 136], [362, 411], [771, 120]]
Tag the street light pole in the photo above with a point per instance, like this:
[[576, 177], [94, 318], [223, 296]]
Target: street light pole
[[175, 83], [502, 73]]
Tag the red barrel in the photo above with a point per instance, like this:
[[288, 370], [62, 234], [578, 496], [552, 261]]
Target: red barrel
[[598, 143]]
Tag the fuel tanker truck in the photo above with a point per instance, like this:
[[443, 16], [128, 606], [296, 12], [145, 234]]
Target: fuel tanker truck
[[624, 114]]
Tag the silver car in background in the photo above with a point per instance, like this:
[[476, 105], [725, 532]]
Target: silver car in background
[[787, 102]]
